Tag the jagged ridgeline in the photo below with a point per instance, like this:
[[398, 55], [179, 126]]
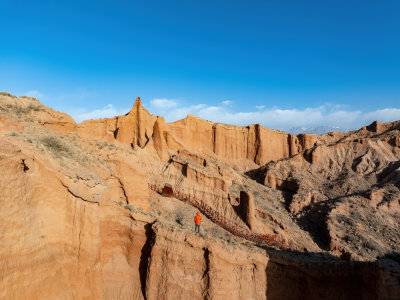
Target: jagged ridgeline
[[104, 209]]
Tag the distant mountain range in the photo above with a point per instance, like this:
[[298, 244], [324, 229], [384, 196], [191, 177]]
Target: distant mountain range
[[316, 130]]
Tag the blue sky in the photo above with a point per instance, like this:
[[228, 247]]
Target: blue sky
[[278, 63]]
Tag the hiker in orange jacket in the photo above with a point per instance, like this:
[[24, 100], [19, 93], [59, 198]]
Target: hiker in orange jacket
[[197, 222]]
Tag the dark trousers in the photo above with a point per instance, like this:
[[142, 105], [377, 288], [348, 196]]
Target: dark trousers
[[197, 228]]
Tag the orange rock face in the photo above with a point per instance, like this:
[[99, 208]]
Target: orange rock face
[[354, 186], [78, 221], [242, 145]]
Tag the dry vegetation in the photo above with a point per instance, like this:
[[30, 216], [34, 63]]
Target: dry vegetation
[[177, 214], [65, 148], [7, 94], [20, 110], [56, 145]]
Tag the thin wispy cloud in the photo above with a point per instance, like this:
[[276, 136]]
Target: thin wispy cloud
[[35, 94], [163, 103], [277, 118], [107, 111]]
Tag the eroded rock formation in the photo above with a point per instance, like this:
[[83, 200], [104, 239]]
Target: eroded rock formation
[[247, 201], [77, 220], [228, 143], [354, 186]]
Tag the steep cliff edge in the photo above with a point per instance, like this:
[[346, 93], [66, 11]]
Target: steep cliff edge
[[78, 221], [346, 193], [182, 266], [240, 145]]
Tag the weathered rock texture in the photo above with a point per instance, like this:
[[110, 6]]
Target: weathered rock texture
[[346, 193], [241, 145], [247, 201], [77, 220]]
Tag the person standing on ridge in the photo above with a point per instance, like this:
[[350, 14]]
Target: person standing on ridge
[[197, 222]]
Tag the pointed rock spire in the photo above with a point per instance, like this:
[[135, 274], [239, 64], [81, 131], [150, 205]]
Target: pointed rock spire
[[138, 105], [159, 140], [137, 127]]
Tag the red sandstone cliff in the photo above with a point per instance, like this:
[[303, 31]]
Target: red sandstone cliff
[[77, 220], [241, 145]]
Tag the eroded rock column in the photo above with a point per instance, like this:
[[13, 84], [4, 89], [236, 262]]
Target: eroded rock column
[[247, 202]]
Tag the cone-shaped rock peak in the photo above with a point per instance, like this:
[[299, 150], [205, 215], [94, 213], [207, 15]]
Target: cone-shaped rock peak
[[138, 109], [137, 105]]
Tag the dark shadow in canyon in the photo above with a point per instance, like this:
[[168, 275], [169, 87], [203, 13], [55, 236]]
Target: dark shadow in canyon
[[257, 175], [390, 173], [313, 220], [144, 258], [297, 275]]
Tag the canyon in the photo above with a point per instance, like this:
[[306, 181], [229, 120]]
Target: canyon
[[89, 210]]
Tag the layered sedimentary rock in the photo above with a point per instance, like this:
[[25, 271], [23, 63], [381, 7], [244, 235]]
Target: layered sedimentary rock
[[77, 220], [226, 142], [233, 143], [247, 202], [346, 193], [62, 234]]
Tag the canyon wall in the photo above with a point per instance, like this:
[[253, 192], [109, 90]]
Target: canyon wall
[[346, 193], [77, 220], [241, 145], [62, 234]]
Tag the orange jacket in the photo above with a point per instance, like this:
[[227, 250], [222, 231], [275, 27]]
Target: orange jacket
[[197, 219]]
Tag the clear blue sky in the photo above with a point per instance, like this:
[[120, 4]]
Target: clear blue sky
[[330, 56]]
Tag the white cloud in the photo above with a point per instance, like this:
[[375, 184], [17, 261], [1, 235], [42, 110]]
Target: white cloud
[[275, 118], [106, 112], [384, 115], [226, 102], [163, 103], [34, 93], [283, 119]]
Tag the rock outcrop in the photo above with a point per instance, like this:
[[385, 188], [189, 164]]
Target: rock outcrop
[[247, 201], [78, 221], [346, 193], [252, 145]]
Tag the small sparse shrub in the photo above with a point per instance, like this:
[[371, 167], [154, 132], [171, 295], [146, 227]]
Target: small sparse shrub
[[29, 97], [99, 145], [216, 232], [34, 107], [130, 207], [19, 110], [213, 231], [7, 94], [23, 110], [55, 144], [120, 203], [12, 133], [231, 240], [180, 216]]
